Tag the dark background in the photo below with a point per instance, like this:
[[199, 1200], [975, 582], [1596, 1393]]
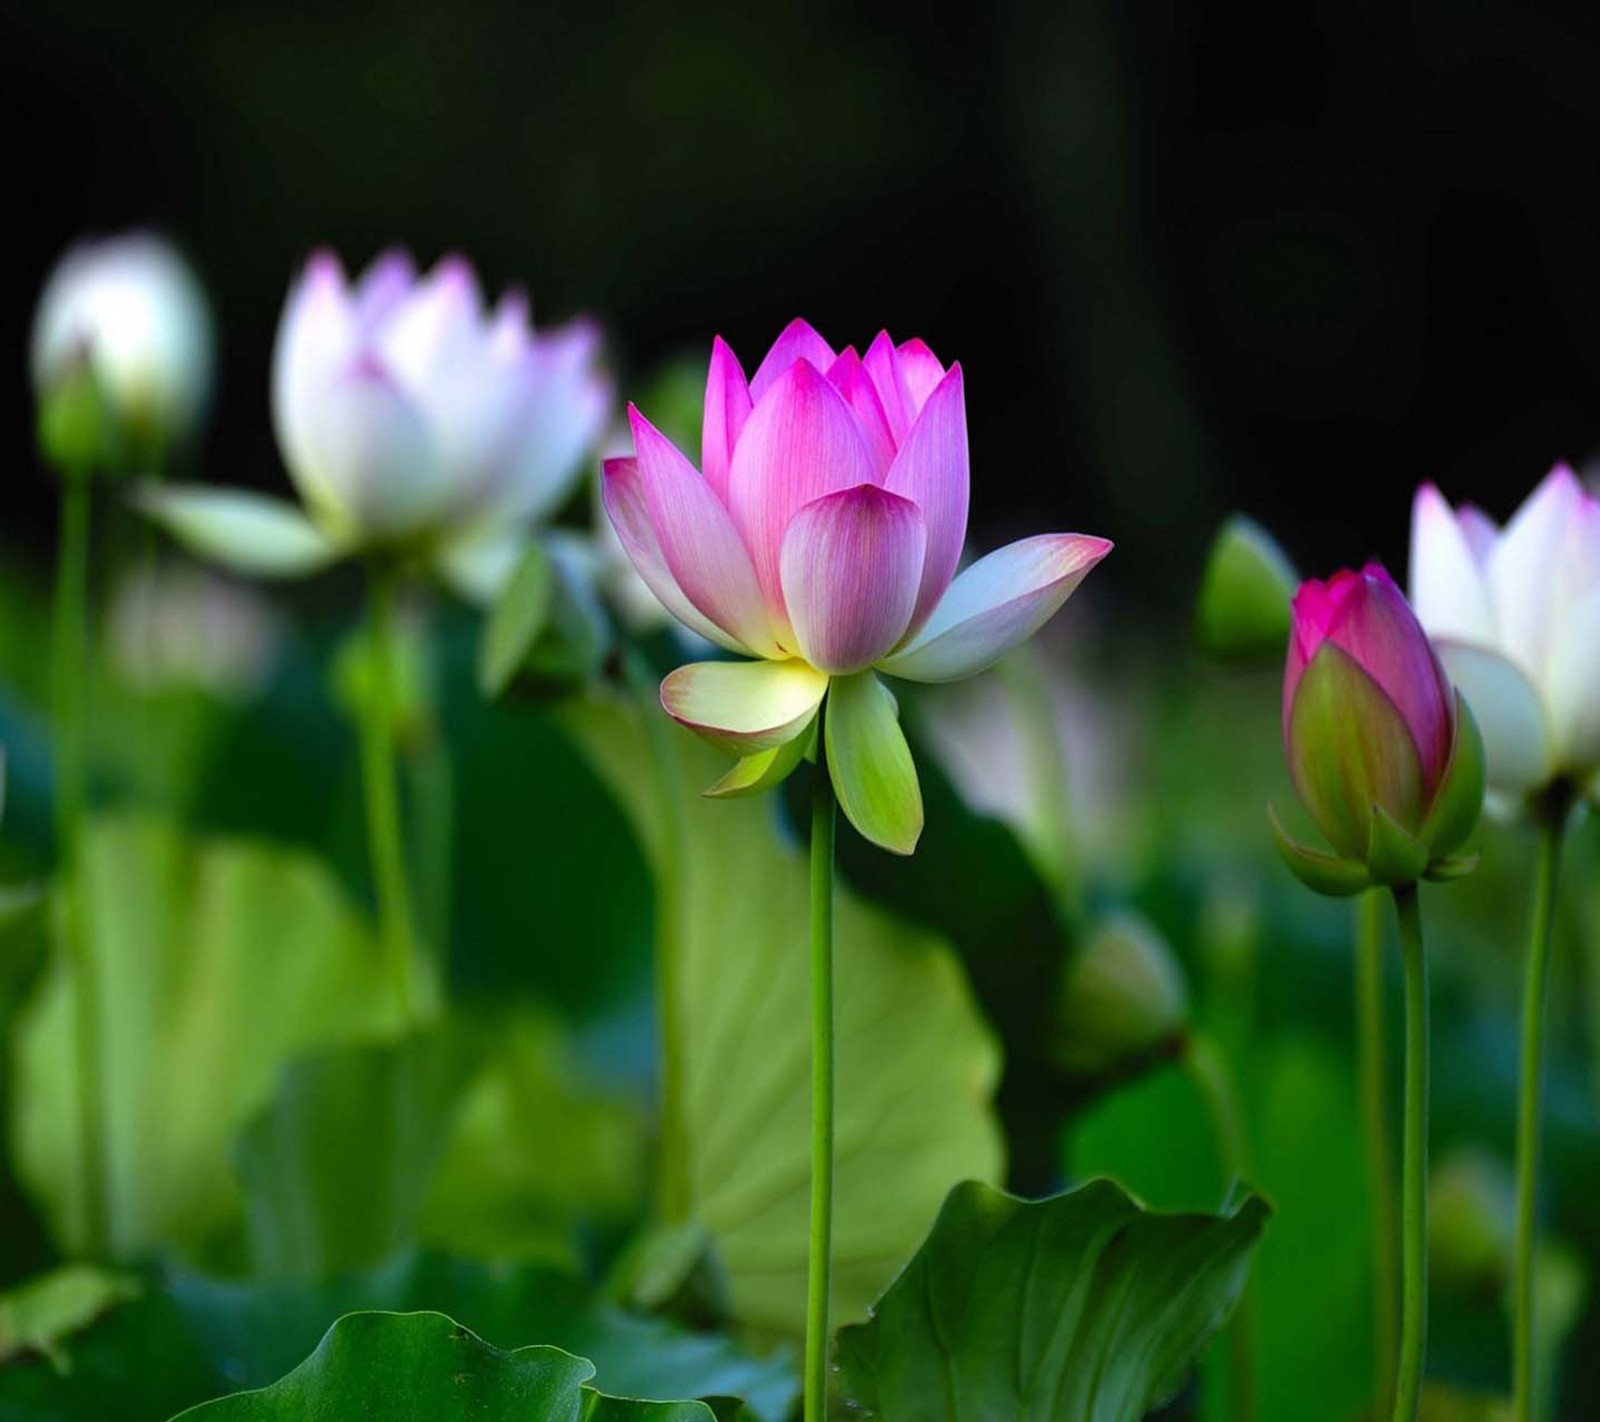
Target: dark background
[[1291, 259]]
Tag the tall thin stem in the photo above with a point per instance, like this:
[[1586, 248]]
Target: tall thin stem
[[1208, 1069], [818, 1279], [386, 843], [1414, 1200], [1552, 827], [1373, 1071], [71, 638]]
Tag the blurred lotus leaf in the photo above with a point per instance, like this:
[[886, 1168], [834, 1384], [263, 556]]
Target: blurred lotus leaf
[[36, 1315], [535, 1150], [335, 1168], [1122, 998], [218, 962], [917, 1065], [477, 1135]]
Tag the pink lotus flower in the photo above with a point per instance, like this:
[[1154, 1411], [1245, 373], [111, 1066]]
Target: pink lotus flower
[[413, 418], [1383, 752], [822, 537], [1515, 613]]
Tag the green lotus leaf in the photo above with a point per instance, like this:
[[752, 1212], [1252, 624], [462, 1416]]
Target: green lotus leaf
[[425, 1367], [1080, 1308], [917, 1066], [185, 1339], [219, 961]]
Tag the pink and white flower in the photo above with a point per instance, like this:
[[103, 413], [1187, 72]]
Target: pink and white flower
[[822, 536], [1515, 614], [411, 417]]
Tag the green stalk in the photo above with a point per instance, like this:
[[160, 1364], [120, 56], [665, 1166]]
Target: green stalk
[[1373, 1073], [1551, 830], [1414, 1202], [70, 646], [1219, 1090], [823, 819], [386, 843]]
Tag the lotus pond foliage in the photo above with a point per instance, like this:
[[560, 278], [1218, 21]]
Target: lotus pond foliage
[[607, 906]]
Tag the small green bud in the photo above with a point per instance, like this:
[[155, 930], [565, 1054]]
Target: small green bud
[[1471, 1223], [77, 428], [1442, 1403], [1561, 1290], [1122, 998], [1243, 610], [410, 691]]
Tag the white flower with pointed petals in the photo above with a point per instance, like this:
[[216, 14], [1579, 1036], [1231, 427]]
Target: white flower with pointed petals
[[411, 417], [1515, 614]]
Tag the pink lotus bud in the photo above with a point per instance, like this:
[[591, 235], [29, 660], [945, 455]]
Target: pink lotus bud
[[1382, 751], [822, 537]]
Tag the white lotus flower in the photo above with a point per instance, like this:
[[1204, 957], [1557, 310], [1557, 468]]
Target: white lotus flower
[[132, 307], [411, 417], [1515, 615]]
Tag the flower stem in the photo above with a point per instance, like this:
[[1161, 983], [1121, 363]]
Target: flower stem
[[70, 647], [1373, 1073], [1552, 827], [819, 1272], [1208, 1069], [386, 843], [1414, 1201]]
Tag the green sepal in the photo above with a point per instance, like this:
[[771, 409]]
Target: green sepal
[[765, 769], [77, 428], [1320, 872], [1452, 866], [1458, 803], [1396, 856], [870, 762], [250, 534], [1243, 613]]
